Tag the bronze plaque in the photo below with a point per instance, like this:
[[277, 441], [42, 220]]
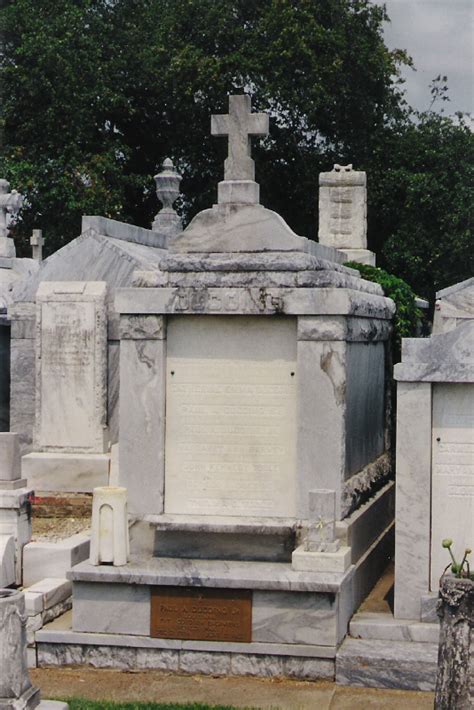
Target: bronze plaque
[[198, 614]]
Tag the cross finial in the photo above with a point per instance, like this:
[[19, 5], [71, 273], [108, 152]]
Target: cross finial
[[239, 124], [37, 243]]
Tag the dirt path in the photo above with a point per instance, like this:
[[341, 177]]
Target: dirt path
[[264, 694]]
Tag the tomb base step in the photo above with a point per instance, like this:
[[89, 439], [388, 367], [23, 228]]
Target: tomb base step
[[384, 627], [169, 571], [71, 473], [58, 646], [405, 665], [223, 538]]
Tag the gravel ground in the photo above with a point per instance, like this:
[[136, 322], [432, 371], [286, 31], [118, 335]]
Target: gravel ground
[[54, 529]]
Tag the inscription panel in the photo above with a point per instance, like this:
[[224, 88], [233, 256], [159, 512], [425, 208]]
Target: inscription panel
[[453, 473], [230, 420], [71, 362], [201, 614]]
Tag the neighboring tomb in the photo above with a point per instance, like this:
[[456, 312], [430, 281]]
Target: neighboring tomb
[[343, 213], [12, 270], [435, 452], [106, 251], [252, 416], [71, 436], [15, 507]]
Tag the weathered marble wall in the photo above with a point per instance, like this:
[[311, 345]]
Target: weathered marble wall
[[365, 395], [4, 378]]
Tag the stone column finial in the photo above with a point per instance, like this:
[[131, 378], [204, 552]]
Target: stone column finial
[[10, 203], [167, 221], [343, 212]]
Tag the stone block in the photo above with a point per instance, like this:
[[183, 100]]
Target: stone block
[[157, 659], [238, 191], [304, 561], [33, 602], [71, 473], [7, 561], [53, 559], [294, 618], [361, 256], [309, 668], [261, 665], [413, 505], [142, 438], [13, 485], [53, 590], [33, 624], [387, 664], [384, 627], [205, 663], [57, 610], [31, 657], [111, 608], [15, 520], [10, 465], [102, 657]]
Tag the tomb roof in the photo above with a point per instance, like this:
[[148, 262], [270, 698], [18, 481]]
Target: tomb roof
[[238, 222]]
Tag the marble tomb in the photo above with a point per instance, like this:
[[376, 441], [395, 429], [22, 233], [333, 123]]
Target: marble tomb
[[253, 447]]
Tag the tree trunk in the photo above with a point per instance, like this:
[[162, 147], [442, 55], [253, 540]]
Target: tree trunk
[[455, 681]]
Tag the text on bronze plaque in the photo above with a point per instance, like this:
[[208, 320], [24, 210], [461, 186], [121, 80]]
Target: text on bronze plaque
[[201, 614]]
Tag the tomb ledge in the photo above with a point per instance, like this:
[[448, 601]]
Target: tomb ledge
[[219, 574], [253, 301], [224, 524]]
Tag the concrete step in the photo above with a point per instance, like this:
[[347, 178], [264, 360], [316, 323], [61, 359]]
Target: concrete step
[[383, 627], [406, 665]]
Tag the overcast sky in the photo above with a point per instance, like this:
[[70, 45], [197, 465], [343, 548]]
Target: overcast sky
[[439, 36]]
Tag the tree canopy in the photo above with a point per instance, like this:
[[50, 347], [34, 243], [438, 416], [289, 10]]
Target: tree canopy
[[96, 93]]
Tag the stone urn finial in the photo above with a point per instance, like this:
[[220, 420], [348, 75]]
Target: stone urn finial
[[167, 221]]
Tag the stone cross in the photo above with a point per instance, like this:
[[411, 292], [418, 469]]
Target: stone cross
[[239, 124], [37, 243], [10, 202]]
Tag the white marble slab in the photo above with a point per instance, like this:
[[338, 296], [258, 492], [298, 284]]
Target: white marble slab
[[231, 421], [452, 512], [71, 359]]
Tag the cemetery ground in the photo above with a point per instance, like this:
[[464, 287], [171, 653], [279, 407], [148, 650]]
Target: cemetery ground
[[94, 689]]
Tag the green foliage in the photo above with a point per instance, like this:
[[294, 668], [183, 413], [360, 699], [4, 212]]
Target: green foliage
[[407, 316], [420, 203], [461, 570], [96, 93]]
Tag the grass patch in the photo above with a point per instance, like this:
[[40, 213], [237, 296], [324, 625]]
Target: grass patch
[[79, 704]]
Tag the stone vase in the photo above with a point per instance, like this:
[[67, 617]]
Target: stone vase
[[455, 678], [15, 685]]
